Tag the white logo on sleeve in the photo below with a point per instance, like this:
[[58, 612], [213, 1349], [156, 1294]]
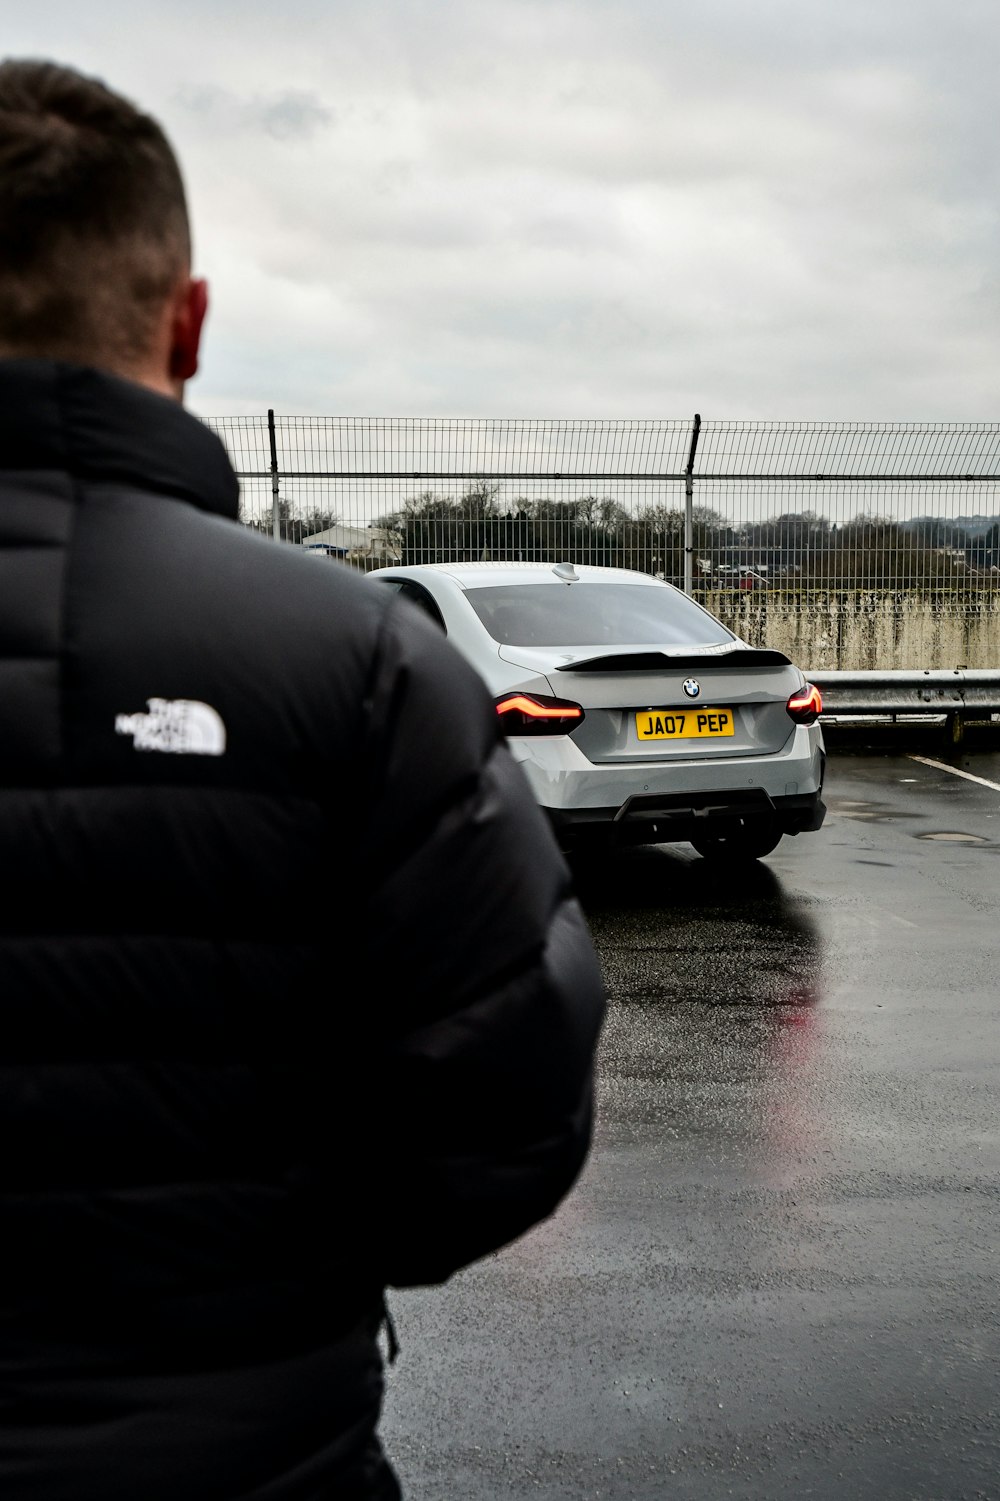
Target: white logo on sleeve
[[178, 726]]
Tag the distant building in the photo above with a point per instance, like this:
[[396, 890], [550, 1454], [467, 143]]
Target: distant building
[[355, 544]]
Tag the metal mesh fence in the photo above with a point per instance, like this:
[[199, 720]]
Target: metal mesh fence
[[854, 504], [798, 515]]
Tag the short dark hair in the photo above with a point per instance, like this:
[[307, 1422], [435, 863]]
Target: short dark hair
[[93, 222]]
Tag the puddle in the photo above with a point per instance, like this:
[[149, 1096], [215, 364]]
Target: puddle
[[955, 838], [867, 812]]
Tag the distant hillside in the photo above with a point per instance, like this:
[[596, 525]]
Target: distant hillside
[[973, 526]]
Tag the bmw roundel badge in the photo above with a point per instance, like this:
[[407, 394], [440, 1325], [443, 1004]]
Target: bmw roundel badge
[[692, 687]]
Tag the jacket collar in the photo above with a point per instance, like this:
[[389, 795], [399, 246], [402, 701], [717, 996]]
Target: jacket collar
[[96, 426]]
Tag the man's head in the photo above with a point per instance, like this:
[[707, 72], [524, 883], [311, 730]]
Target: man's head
[[95, 248]]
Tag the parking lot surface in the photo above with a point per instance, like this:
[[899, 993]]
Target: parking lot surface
[[778, 1276]]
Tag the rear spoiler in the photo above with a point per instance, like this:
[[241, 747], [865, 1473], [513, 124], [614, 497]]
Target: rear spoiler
[[661, 661]]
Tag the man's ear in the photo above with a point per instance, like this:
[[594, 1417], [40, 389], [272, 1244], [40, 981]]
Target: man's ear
[[187, 319]]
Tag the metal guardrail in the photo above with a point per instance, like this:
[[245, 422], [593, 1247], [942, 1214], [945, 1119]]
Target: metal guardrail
[[959, 694], [916, 691]]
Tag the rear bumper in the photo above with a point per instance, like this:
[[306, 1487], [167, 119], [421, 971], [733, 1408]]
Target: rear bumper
[[681, 816], [661, 801]]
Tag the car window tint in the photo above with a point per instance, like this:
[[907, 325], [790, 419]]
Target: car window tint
[[598, 614], [419, 596]]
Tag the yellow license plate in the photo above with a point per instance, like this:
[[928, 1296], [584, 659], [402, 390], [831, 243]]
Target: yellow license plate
[[683, 724]]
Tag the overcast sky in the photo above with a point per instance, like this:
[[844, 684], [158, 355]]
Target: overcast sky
[[570, 208]]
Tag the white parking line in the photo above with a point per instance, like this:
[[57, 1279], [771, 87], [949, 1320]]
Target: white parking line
[[942, 766]]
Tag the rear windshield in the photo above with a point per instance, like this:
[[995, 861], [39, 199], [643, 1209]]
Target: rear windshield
[[594, 614]]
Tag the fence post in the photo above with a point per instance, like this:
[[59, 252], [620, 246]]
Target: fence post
[[689, 508], [275, 509]]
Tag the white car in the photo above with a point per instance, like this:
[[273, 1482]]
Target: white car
[[636, 715]]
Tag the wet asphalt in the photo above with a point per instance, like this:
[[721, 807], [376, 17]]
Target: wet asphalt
[[778, 1276]]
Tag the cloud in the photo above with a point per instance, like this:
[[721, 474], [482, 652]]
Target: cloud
[[563, 207], [294, 115]]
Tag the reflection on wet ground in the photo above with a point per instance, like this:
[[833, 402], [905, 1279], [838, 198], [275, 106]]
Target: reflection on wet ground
[[713, 976], [670, 926], [776, 1277]]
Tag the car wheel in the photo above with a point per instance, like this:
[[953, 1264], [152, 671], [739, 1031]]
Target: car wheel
[[747, 843]]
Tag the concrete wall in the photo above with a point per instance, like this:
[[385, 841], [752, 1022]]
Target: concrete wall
[[862, 630]]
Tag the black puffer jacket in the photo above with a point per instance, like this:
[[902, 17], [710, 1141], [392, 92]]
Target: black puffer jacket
[[295, 1000]]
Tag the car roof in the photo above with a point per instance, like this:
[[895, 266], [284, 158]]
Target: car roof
[[479, 575]]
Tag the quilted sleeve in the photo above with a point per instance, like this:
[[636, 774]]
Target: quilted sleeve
[[492, 998]]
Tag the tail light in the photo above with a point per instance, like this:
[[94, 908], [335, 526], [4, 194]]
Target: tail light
[[806, 704], [537, 714]]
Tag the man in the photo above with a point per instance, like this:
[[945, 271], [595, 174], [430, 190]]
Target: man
[[296, 1001]]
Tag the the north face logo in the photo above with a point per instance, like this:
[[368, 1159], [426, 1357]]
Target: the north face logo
[[178, 726]]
